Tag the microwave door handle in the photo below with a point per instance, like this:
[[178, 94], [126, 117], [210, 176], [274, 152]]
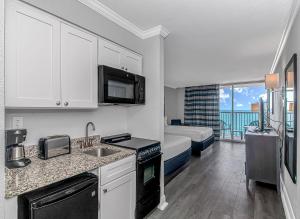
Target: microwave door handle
[[138, 92]]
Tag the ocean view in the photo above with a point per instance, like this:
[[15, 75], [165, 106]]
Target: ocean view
[[241, 119], [240, 99]]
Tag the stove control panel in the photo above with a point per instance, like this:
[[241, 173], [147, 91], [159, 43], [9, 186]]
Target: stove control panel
[[148, 152]]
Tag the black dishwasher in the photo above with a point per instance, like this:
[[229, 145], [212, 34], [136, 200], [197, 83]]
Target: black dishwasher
[[73, 198]]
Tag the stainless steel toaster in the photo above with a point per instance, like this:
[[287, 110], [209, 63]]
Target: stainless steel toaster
[[53, 146]]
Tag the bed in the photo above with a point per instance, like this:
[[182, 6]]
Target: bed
[[177, 152], [202, 137]]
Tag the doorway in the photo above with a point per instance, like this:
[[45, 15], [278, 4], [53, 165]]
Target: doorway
[[238, 108]]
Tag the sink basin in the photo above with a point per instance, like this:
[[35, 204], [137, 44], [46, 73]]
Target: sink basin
[[101, 152]]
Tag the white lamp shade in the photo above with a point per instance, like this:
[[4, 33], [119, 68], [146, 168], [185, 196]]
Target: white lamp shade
[[272, 81], [290, 79], [254, 107], [291, 107]]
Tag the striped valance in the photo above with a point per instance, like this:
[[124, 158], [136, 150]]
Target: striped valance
[[201, 107]]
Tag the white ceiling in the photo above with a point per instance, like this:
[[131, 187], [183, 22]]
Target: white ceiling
[[212, 41]]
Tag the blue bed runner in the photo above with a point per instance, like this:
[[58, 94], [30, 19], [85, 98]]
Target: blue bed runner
[[174, 163]]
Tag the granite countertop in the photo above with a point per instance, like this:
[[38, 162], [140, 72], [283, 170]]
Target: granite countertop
[[41, 173]]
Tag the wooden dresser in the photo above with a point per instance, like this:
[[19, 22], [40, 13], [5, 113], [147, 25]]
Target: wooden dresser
[[263, 158]]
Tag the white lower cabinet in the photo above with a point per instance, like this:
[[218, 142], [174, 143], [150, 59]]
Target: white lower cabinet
[[11, 208], [117, 189], [118, 198]]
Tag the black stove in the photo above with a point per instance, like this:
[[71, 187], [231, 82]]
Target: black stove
[[144, 148], [148, 155]]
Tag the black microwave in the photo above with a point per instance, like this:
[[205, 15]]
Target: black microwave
[[116, 86]]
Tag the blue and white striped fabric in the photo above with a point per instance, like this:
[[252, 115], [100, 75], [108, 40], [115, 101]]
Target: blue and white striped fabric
[[201, 107]]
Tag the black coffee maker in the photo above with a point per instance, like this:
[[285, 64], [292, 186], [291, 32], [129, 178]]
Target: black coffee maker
[[14, 149]]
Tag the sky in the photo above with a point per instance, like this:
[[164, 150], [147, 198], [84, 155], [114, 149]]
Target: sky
[[243, 97]]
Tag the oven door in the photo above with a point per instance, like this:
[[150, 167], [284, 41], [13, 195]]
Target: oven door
[[148, 176], [116, 86]]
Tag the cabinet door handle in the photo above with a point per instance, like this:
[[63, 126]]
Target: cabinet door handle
[[105, 190], [66, 103], [58, 103]]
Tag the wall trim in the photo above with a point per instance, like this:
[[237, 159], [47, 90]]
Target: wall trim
[[163, 204], [169, 86], [286, 32], [287, 206], [123, 22], [158, 30], [2, 113], [221, 84]]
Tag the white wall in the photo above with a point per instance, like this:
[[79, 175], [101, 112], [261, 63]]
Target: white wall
[[144, 121], [147, 121], [40, 123], [2, 115], [174, 103], [292, 46], [180, 103], [171, 103]]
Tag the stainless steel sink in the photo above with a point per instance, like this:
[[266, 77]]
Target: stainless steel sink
[[101, 152]]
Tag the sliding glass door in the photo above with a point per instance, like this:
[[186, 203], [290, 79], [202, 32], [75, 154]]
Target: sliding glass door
[[238, 109], [226, 112]]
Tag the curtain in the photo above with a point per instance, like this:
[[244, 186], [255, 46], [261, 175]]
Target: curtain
[[201, 107]]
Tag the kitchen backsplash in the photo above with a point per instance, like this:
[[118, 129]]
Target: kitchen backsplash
[[32, 150]]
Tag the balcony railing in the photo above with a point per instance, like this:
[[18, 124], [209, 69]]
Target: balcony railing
[[240, 120], [237, 124]]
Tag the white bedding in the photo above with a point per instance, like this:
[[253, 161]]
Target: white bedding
[[175, 145], [197, 134]]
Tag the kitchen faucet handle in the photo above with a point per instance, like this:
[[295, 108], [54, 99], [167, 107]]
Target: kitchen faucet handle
[[90, 142], [81, 144]]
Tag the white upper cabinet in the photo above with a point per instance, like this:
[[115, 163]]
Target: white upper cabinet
[[132, 62], [32, 58], [115, 56], [52, 64], [48, 63], [78, 68], [109, 54]]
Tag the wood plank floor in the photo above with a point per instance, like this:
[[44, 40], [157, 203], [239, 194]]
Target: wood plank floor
[[214, 187]]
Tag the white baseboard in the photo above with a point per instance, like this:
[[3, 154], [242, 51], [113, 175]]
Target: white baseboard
[[287, 206], [163, 204]]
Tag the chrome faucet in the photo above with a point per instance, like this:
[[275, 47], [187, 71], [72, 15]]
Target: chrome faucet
[[88, 142]]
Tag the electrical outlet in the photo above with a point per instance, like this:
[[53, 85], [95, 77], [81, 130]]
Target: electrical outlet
[[17, 122]]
